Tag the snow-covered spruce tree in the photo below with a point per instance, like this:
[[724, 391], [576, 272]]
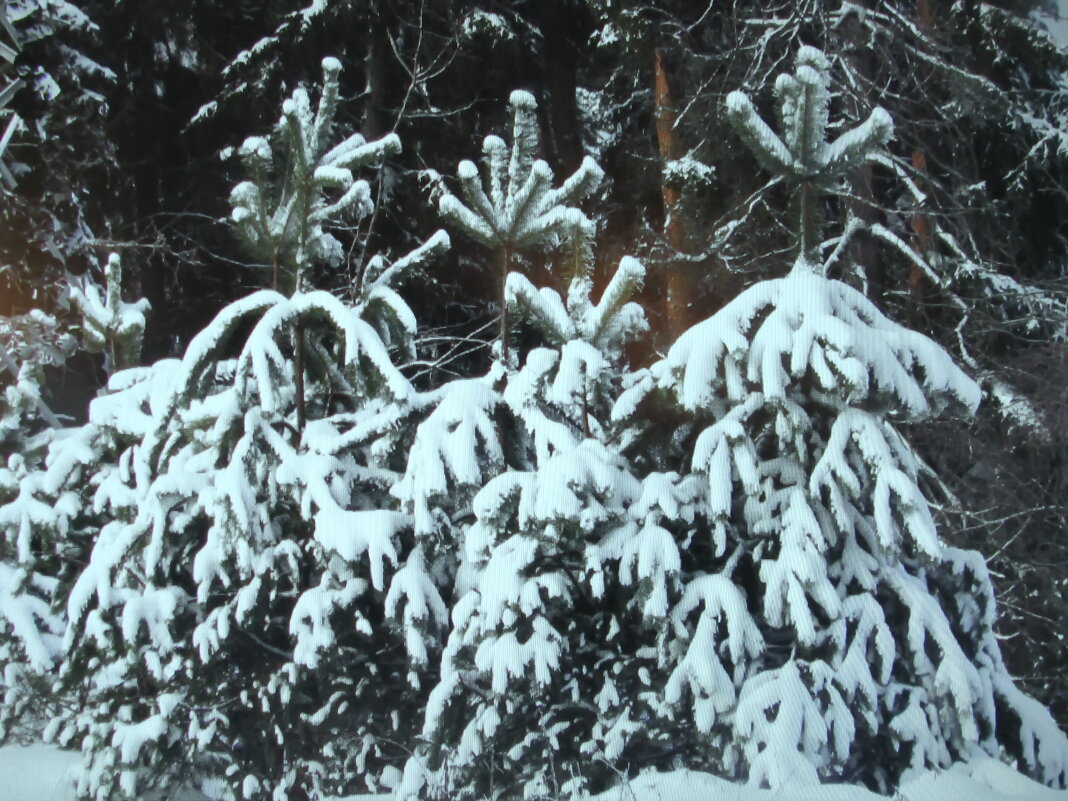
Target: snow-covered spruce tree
[[28, 344], [44, 530], [228, 627], [49, 522], [513, 206], [464, 432], [846, 641], [30, 631], [539, 677]]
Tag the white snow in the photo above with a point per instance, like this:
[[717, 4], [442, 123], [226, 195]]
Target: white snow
[[37, 773], [983, 780], [517, 207], [43, 773], [486, 23]]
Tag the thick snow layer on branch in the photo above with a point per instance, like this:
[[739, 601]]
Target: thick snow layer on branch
[[805, 328], [454, 447], [29, 617], [716, 655]]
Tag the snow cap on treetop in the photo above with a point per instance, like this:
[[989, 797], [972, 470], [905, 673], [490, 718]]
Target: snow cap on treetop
[[521, 98]]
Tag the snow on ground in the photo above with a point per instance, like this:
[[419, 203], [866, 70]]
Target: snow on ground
[[42, 773], [985, 780], [36, 773]]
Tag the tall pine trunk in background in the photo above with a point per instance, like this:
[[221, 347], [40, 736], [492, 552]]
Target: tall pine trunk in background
[[864, 205], [558, 66], [921, 222], [676, 288], [380, 68]]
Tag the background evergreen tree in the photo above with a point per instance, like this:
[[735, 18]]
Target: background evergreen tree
[[47, 531], [56, 150]]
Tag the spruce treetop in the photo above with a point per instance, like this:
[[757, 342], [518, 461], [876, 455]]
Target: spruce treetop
[[111, 324], [513, 206], [606, 325], [562, 391], [282, 215], [801, 152]]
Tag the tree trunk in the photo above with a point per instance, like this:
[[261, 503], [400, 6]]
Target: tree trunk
[[504, 257], [921, 223], [864, 250], [921, 234], [298, 368], [676, 290], [558, 65], [376, 120]]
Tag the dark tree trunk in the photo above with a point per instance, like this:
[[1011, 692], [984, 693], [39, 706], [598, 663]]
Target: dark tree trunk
[[558, 66], [865, 251], [381, 68]]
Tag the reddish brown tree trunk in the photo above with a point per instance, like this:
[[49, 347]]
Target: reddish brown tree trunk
[[924, 15], [676, 289], [865, 251]]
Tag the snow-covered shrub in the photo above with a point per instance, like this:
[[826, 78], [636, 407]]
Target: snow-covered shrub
[[514, 706], [229, 625], [45, 529], [847, 641]]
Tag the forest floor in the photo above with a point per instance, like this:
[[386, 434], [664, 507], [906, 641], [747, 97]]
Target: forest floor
[[42, 773]]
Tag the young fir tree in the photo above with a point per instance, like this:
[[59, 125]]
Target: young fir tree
[[111, 325], [228, 626], [54, 147], [465, 432], [30, 629], [45, 532], [847, 642], [518, 708]]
